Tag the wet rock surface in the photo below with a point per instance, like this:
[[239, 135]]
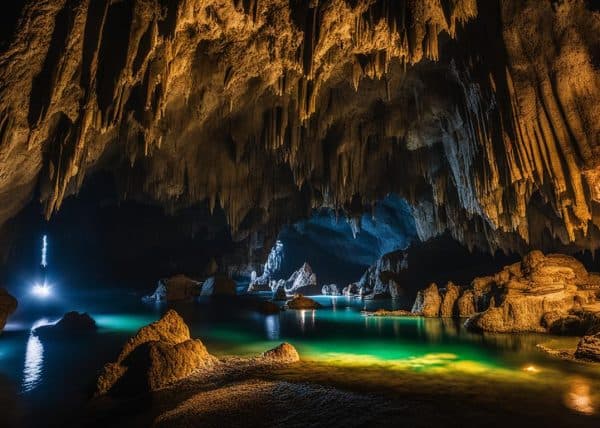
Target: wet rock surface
[[428, 302], [301, 302]]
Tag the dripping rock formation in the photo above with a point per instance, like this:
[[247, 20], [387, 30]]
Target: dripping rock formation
[[483, 115]]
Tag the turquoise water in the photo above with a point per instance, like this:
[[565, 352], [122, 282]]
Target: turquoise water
[[54, 377]]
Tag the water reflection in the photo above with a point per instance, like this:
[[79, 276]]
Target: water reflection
[[34, 358], [578, 397], [272, 327]]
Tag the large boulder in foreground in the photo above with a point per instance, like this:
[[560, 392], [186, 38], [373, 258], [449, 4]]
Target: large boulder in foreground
[[284, 353], [539, 294], [589, 348], [156, 356], [178, 287], [428, 302], [218, 286], [8, 304], [301, 302]]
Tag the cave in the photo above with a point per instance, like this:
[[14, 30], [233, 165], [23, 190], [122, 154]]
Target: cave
[[269, 213]]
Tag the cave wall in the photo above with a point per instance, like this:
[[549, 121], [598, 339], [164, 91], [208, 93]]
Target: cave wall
[[481, 114]]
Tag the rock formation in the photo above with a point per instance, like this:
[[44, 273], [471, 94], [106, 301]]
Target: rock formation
[[156, 356], [589, 348], [178, 287], [428, 302], [280, 293], [301, 302], [303, 280], [218, 286], [466, 304], [284, 353], [448, 308], [330, 290], [272, 265], [8, 304], [534, 295], [383, 275], [72, 323], [482, 115]]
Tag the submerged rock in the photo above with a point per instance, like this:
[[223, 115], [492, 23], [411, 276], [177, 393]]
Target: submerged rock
[[218, 286], [539, 294], [8, 304], [330, 290], [284, 353], [428, 302], [589, 348], [157, 355], [386, 313], [301, 302], [178, 287]]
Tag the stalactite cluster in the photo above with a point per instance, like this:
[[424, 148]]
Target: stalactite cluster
[[482, 114]]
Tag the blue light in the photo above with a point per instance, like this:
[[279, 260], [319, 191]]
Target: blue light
[[44, 250]]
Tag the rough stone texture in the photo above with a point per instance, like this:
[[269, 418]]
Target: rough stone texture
[[303, 280], [386, 313], [272, 265], [284, 353], [449, 307], [178, 287], [351, 290], [588, 348], [301, 302], [330, 290], [8, 304], [540, 293], [385, 271], [428, 302], [157, 355], [484, 113], [466, 304], [218, 286]]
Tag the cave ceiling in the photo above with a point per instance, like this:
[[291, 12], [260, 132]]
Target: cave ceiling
[[484, 115]]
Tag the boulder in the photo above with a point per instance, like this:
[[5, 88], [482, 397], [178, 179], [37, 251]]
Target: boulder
[[428, 302], [178, 287], [72, 323], [8, 304], [218, 286], [284, 353], [448, 307], [301, 302], [466, 304], [303, 280], [539, 294], [156, 356], [280, 294], [588, 348], [330, 290]]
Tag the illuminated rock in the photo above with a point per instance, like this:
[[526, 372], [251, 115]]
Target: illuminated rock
[[330, 290], [303, 280], [539, 294], [301, 302], [466, 304], [588, 348], [351, 290], [272, 266], [218, 286], [8, 304], [428, 302], [284, 353], [178, 287], [376, 280], [451, 294], [159, 354]]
